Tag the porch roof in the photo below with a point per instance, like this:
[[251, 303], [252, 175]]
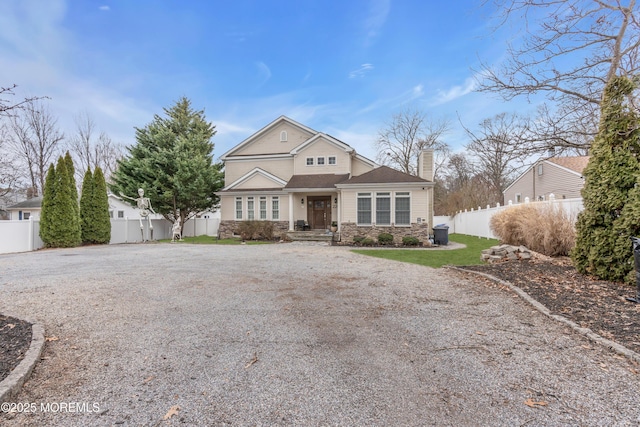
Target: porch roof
[[328, 180]]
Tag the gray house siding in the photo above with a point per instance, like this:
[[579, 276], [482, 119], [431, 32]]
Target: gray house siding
[[557, 180]]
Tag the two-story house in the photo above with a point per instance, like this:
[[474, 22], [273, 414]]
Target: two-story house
[[287, 173]]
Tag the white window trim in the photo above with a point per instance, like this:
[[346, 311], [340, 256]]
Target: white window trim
[[283, 136], [313, 161], [265, 210], [273, 199], [335, 160], [235, 208], [372, 199], [324, 161], [402, 194], [251, 199], [388, 194], [392, 195]]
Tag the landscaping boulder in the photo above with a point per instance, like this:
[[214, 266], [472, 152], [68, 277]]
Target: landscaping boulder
[[504, 253]]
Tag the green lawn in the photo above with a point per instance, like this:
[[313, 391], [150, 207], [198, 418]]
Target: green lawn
[[437, 258], [210, 240]]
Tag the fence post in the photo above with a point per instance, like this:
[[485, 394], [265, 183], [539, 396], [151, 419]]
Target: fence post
[[30, 234]]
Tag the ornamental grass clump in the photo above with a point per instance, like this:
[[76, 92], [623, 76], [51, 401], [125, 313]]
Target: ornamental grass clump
[[544, 228]]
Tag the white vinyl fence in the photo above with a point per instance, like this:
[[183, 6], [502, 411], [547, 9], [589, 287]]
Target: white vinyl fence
[[24, 236], [475, 222]]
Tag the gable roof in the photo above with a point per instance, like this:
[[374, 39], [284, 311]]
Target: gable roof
[[572, 164], [32, 203], [327, 180], [264, 130], [253, 172], [575, 163], [327, 138], [384, 175]]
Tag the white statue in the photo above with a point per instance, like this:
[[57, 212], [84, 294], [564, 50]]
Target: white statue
[[144, 204], [175, 231]]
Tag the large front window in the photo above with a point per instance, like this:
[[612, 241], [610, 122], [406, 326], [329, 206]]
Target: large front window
[[364, 208], [403, 208], [383, 208]]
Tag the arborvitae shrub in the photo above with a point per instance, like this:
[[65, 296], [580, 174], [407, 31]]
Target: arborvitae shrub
[[608, 220]]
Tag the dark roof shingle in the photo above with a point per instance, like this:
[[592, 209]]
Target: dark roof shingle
[[328, 180], [384, 175]]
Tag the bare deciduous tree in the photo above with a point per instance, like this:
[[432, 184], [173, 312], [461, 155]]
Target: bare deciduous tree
[[569, 50], [409, 132], [7, 107], [499, 148], [91, 151], [35, 139], [461, 187], [9, 173]]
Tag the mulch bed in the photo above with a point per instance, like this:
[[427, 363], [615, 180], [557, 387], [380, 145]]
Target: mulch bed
[[15, 338], [595, 304]]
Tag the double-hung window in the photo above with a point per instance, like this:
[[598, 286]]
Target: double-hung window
[[403, 208], [263, 207], [383, 208], [238, 207], [364, 208], [275, 208], [250, 208]]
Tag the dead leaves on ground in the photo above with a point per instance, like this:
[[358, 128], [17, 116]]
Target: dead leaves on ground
[[172, 411], [252, 361], [533, 403]]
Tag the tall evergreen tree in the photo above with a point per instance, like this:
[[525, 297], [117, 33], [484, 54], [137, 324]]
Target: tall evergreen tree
[[87, 214], [603, 228], [65, 222], [100, 204], [48, 206], [173, 162], [73, 188]]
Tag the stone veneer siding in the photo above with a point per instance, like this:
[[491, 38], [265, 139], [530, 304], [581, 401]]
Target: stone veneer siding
[[349, 230], [227, 227]]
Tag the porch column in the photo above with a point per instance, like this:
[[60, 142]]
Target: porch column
[[290, 211], [339, 211]]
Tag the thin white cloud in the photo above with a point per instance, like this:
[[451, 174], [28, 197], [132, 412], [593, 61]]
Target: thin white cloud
[[263, 72], [375, 20], [409, 95], [104, 8], [360, 72], [455, 92]]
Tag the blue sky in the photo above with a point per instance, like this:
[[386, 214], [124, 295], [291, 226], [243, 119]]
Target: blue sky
[[340, 67]]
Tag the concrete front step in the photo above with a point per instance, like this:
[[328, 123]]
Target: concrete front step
[[319, 236]]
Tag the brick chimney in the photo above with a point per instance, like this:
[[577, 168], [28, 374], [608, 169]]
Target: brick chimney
[[425, 164]]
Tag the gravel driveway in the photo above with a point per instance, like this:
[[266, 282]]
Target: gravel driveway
[[295, 334]]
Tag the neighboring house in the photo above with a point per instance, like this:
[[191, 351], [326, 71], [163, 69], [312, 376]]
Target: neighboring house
[[286, 173], [121, 209], [560, 176], [28, 209]]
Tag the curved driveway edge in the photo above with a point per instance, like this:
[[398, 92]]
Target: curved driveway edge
[[618, 348], [11, 385]]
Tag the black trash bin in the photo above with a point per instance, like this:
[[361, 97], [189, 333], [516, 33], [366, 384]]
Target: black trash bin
[[441, 234]]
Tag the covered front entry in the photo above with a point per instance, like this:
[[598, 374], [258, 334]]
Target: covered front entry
[[319, 212]]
